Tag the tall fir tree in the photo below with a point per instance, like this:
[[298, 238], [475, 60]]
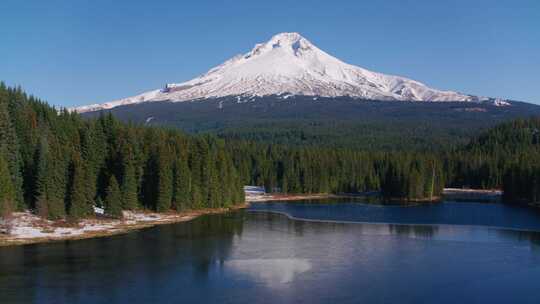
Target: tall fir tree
[[182, 185], [129, 187], [42, 179], [57, 180], [113, 199], [164, 179], [212, 184], [9, 147], [78, 205], [7, 190]]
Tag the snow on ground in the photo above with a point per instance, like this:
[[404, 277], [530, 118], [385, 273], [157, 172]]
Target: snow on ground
[[286, 197], [26, 225], [259, 198], [138, 217], [472, 191]]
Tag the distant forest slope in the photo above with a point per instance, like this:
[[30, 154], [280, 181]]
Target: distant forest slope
[[507, 156], [331, 122]]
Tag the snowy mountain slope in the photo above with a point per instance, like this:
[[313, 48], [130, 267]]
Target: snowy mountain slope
[[289, 63]]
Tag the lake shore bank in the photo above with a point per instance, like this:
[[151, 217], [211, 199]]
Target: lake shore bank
[[490, 195], [296, 197], [27, 228]]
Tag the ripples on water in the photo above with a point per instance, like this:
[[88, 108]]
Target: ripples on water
[[261, 257]]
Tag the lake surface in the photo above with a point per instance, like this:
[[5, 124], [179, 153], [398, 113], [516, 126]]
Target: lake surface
[[295, 253]]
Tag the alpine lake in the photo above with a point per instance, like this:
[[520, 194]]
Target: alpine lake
[[303, 252]]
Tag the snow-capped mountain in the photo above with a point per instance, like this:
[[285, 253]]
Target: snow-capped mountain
[[290, 64]]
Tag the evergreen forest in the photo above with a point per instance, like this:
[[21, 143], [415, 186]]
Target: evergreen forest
[[61, 165]]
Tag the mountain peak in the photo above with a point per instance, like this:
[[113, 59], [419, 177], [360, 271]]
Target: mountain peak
[[286, 38], [292, 43], [289, 63]]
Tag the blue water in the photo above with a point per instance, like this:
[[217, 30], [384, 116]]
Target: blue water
[[451, 213], [260, 256]]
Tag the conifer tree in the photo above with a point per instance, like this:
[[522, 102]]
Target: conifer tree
[[196, 196], [165, 180], [182, 185], [57, 180], [9, 147], [7, 190], [79, 207], [42, 179], [113, 199], [129, 187], [92, 159], [212, 183]]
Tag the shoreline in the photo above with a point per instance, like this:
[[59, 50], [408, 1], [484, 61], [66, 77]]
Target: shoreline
[[448, 193], [30, 229], [36, 230], [295, 197]]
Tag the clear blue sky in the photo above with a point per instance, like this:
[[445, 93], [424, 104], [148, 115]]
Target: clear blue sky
[[79, 52]]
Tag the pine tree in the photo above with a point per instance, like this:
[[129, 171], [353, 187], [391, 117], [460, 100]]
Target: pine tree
[[79, 207], [42, 178], [129, 186], [7, 190], [113, 199], [212, 183], [182, 185], [9, 147], [92, 157], [57, 180], [165, 182]]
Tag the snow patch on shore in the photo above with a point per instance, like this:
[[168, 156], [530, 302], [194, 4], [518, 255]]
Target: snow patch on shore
[[26, 225]]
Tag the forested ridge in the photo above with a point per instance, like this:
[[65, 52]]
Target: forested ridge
[[61, 165], [397, 175], [335, 122], [505, 157]]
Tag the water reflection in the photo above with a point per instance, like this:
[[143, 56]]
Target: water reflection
[[443, 232], [449, 213], [270, 271], [531, 237], [264, 257], [418, 231], [116, 263]]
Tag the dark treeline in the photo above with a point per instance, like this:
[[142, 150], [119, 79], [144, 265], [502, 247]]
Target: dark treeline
[[505, 157], [61, 165], [397, 175]]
